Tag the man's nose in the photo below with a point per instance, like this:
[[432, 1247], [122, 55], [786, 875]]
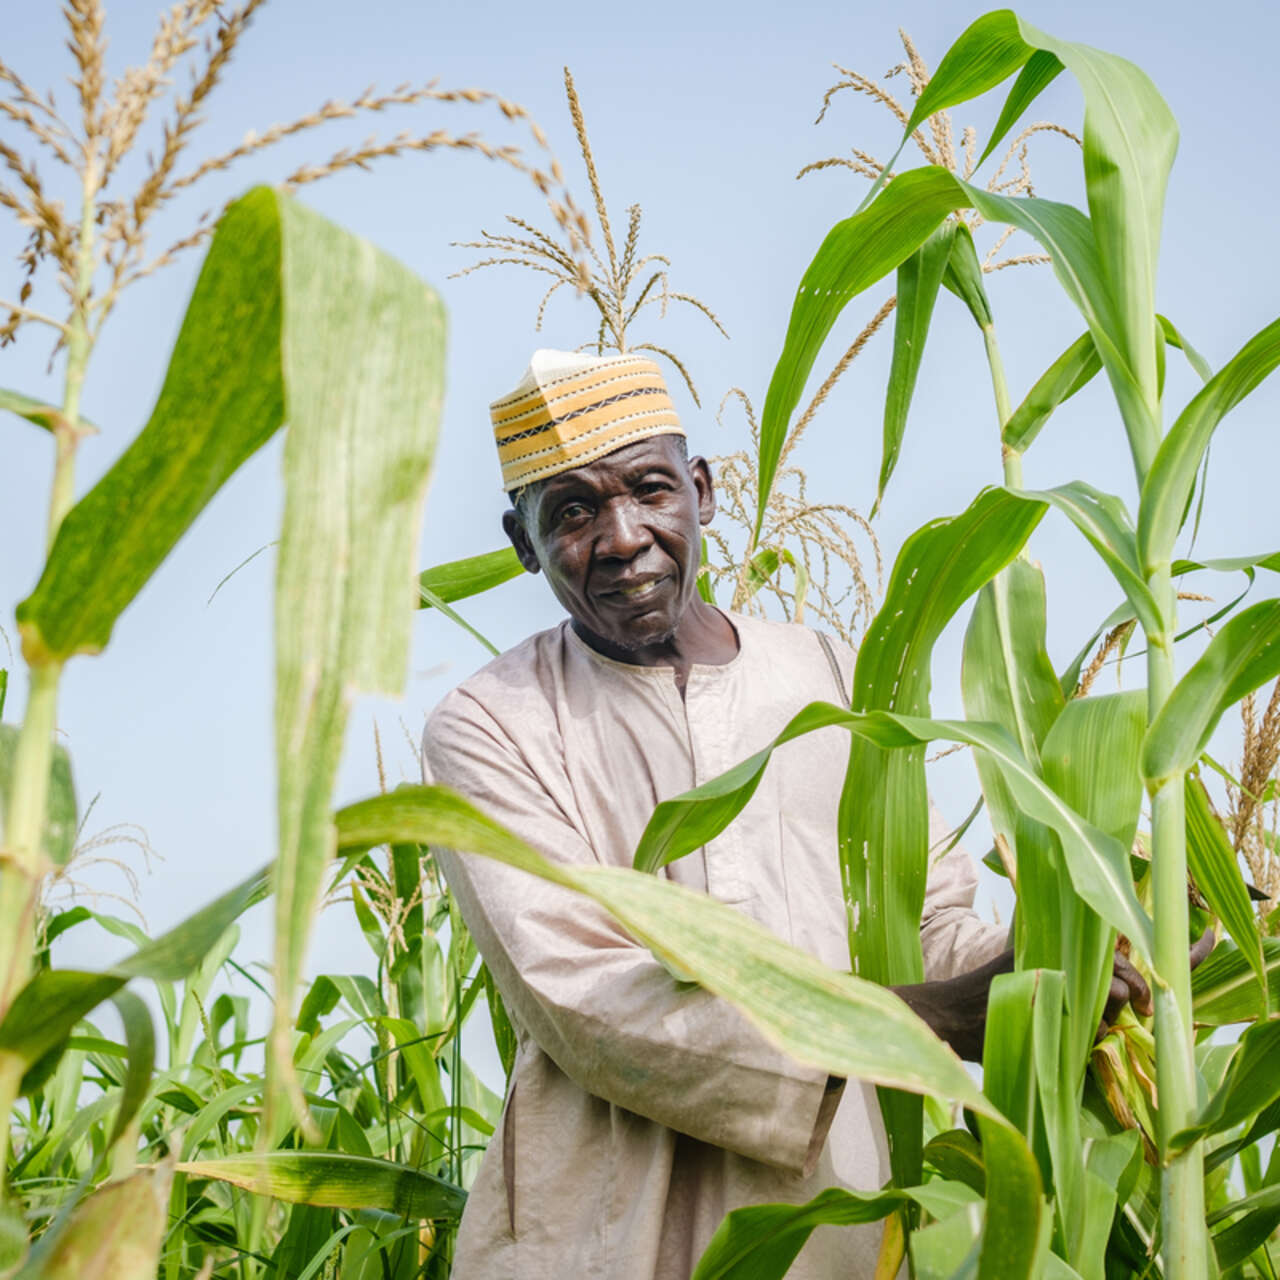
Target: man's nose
[[623, 532]]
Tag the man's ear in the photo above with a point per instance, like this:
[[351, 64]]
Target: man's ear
[[700, 472], [514, 528]]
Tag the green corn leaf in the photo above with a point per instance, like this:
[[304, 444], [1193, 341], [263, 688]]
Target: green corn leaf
[[1212, 863], [1071, 371], [761, 1242], [1174, 338], [1009, 1077], [222, 399], [963, 276], [1041, 69], [817, 1014], [1006, 677], [1224, 988], [1242, 656], [60, 819], [361, 359], [336, 1180], [1167, 490], [459, 579], [761, 567], [428, 599], [1089, 758], [114, 1232], [1251, 1084], [957, 1156], [46, 1010], [919, 279], [1234, 1243], [984, 55], [832, 1020], [1103, 520], [140, 1038]]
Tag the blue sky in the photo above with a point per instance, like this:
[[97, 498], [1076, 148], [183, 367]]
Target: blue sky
[[702, 112]]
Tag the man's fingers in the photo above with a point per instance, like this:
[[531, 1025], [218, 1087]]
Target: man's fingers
[[1203, 945], [1133, 984]]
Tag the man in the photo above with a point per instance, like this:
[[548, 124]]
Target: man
[[640, 1110]]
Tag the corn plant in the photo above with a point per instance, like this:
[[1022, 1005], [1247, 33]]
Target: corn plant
[[1055, 1172]]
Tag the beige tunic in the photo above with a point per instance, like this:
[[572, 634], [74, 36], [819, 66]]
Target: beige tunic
[[640, 1111]]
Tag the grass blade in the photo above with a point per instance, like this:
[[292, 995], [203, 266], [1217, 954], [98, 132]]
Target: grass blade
[[459, 579], [1073, 369]]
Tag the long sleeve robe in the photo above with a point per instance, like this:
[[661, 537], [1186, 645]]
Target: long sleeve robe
[[640, 1111]]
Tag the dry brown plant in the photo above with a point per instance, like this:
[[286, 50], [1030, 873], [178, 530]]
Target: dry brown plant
[[103, 247], [808, 558], [1253, 801], [620, 284]]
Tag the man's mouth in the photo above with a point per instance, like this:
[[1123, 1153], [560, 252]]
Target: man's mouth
[[637, 592]]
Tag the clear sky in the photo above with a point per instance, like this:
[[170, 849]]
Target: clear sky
[[703, 112]]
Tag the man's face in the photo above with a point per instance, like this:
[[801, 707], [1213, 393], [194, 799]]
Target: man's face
[[620, 540]]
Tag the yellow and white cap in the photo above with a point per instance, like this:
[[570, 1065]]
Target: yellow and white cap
[[570, 409]]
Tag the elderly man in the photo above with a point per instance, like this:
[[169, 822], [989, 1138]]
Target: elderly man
[[641, 1110]]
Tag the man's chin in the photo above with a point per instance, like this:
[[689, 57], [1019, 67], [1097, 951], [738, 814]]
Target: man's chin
[[642, 633]]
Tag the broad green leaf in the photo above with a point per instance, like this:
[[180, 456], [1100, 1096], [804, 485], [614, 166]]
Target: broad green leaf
[[832, 1020], [1251, 1084], [1261, 1210], [855, 254], [60, 821], [361, 360], [46, 1010], [1103, 520], [40, 412], [1071, 371], [1242, 656], [222, 399], [1011, 1232], [919, 279], [1008, 1053], [760, 1242], [115, 1233], [336, 1180], [1006, 677], [1211, 862], [1090, 758], [459, 579], [817, 1014], [761, 567], [956, 1155], [140, 1037], [1166, 492], [1224, 988], [963, 277], [1039, 72], [948, 1250]]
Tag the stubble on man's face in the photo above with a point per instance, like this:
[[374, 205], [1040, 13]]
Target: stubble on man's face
[[620, 542]]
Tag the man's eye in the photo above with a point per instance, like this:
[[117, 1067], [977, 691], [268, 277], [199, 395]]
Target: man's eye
[[651, 488], [571, 511]]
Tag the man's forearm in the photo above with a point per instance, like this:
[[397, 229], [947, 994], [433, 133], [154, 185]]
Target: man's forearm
[[956, 1008]]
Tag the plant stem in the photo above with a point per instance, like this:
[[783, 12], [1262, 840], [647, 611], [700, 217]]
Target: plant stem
[[1010, 458], [22, 862], [1186, 1244]]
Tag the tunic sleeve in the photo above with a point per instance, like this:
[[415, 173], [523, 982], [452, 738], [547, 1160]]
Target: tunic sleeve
[[953, 936], [609, 1015]]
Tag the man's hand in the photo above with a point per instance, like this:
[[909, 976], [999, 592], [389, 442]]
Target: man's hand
[[956, 1008]]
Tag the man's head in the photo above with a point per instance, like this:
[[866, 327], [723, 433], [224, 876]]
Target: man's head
[[605, 499]]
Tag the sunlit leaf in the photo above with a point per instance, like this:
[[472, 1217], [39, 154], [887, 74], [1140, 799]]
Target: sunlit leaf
[[1071, 371], [60, 822], [459, 579]]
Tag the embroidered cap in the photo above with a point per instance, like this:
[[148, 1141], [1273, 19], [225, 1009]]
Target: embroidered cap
[[570, 409]]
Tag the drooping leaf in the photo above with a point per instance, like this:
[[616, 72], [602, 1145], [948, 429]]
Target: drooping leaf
[[361, 364], [760, 1242], [1211, 862], [429, 599], [338, 1180], [919, 279], [459, 579], [1242, 656], [1042, 68], [1251, 1084], [60, 821], [1174, 338], [963, 277], [1071, 371], [1166, 492]]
